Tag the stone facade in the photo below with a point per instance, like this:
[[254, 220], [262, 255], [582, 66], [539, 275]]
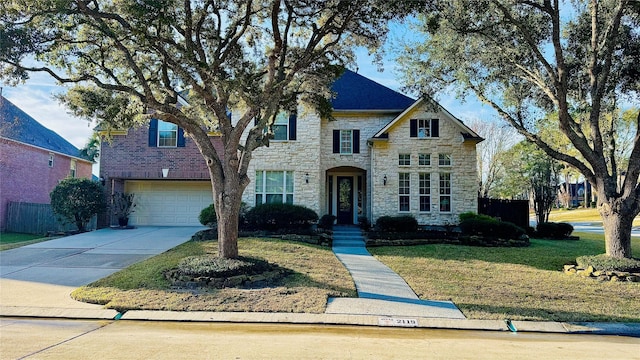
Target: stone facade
[[385, 162], [25, 174]]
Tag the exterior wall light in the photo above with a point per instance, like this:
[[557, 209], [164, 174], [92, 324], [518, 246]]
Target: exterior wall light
[[384, 180], [306, 178]]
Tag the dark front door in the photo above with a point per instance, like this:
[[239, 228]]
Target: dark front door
[[345, 200]]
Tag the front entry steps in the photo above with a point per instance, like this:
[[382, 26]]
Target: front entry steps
[[380, 290]]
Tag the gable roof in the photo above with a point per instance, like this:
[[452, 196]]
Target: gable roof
[[466, 132], [17, 125], [356, 92]]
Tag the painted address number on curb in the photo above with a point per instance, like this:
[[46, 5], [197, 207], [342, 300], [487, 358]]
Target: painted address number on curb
[[385, 321]]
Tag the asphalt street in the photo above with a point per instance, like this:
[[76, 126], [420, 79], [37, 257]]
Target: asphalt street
[[81, 339]]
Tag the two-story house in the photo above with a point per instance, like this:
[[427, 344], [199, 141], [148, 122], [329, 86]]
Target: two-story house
[[384, 154], [33, 159]]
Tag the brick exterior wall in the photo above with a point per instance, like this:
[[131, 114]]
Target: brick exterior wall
[[129, 157], [25, 175]]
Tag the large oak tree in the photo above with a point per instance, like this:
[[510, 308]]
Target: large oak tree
[[126, 59], [529, 58]]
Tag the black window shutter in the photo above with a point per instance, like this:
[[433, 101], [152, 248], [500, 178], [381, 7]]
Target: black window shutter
[[435, 127], [413, 128], [181, 140], [356, 141], [293, 129], [336, 141], [153, 133]]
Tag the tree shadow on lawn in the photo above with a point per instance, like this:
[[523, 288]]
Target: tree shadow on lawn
[[541, 254], [297, 279], [537, 314]]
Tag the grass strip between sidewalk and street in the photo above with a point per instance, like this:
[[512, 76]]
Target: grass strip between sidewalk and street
[[516, 283], [317, 275]]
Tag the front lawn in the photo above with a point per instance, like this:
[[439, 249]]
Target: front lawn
[[516, 283], [14, 240], [581, 215], [317, 275]]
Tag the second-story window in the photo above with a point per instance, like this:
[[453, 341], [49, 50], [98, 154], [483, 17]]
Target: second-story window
[[404, 159], [51, 156], [346, 142], [167, 134]]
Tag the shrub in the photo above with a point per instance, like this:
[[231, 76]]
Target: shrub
[[207, 216], [405, 223], [279, 217], [364, 223], [604, 262], [75, 201], [213, 266], [472, 215], [326, 222], [554, 230], [488, 226]]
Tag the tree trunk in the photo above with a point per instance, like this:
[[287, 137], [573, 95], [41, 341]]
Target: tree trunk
[[617, 222], [227, 206]]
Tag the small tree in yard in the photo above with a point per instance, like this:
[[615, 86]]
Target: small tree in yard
[[252, 58], [75, 201]]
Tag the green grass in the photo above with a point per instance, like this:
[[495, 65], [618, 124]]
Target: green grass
[[516, 283], [14, 240], [317, 274]]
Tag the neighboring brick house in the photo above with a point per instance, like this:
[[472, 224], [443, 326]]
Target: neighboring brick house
[[33, 159], [384, 154]]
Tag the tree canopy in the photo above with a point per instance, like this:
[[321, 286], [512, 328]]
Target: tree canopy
[[239, 62], [526, 59]]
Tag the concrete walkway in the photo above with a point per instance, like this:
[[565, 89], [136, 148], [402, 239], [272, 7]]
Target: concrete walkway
[[380, 290]]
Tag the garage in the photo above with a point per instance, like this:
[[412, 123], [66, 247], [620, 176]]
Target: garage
[[169, 203]]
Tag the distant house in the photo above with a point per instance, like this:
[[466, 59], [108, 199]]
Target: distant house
[[33, 159], [384, 154]]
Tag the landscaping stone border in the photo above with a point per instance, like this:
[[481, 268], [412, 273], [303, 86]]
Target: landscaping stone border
[[590, 272], [474, 240]]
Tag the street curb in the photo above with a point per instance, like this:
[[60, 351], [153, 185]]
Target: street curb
[[621, 329]]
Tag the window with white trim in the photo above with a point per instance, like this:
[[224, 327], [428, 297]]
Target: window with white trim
[[444, 159], [404, 159], [346, 142], [167, 134], [445, 192], [280, 126], [274, 187], [51, 157], [72, 170], [404, 191], [424, 159], [424, 128], [424, 186]]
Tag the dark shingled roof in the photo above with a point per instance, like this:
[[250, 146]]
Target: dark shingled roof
[[356, 92], [17, 125]]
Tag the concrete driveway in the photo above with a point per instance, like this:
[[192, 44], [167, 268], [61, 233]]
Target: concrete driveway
[[44, 274], [80, 259]]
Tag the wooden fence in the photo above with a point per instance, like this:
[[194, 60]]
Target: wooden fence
[[32, 218], [514, 211]]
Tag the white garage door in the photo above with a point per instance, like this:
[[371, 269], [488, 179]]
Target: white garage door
[[169, 203]]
